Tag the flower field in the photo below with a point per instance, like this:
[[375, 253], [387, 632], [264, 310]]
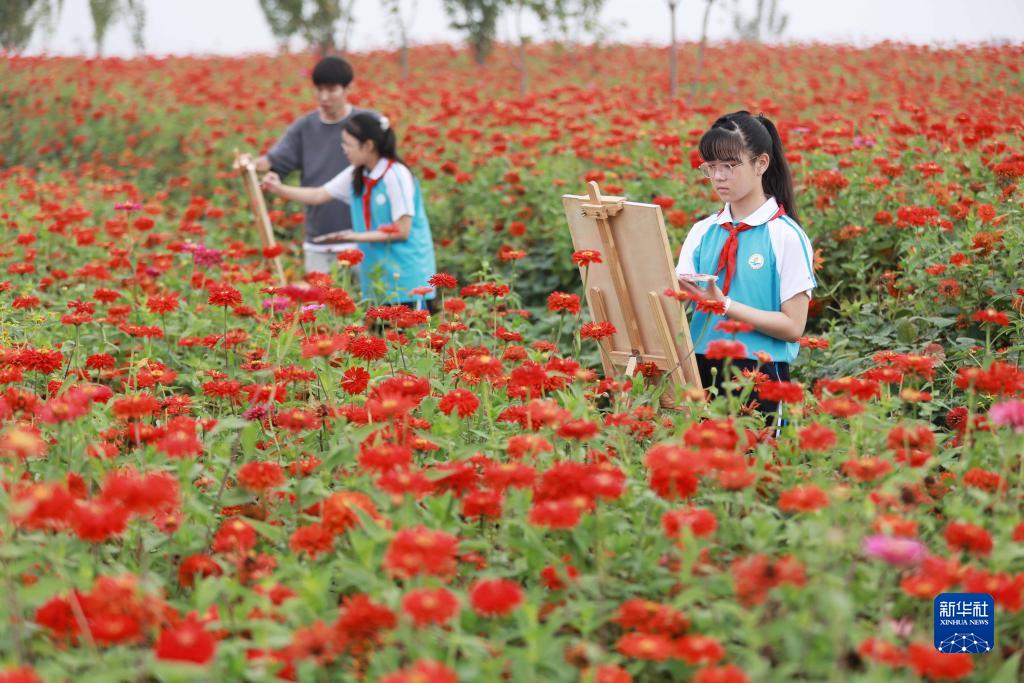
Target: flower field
[[210, 477]]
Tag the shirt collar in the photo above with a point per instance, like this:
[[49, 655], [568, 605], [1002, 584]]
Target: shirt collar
[[378, 170], [761, 215]]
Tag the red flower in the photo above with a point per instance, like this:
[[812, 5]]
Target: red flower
[[585, 257], [355, 380], [712, 306], [427, 606], [651, 617], [881, 651], [722, 348], [197, 565], [368, 348], [663, 201], [443, 281], [968, 537], [991, 315], [420, 550], [646, 646], [462, 400], [733, 327], [186, 641], [361, 619], [98, 520], [817, 437], [495, 597], [483, 365], [135, 407], [422, 671], [338, 512], [312, 539], [221, 294], [260, 476], [349, 257], [161, 304], [556, 514], [803, 498], [597, 330], [581, 430], [22, 674], [787, 392], [721, 674], [234, 535], [698, 649], [699, 521], [560, 301], [673, 471], [938, 666]]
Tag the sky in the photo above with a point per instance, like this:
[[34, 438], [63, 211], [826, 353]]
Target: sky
[[199, 26]]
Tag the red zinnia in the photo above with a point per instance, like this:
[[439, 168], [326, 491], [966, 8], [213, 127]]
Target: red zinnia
[[968, 537], [430, 606], [584, 257], [260, 476], [494, 597], [420, 550], [461, 400], [187, 641], [803, 498]]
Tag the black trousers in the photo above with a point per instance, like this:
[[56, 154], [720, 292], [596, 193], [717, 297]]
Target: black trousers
[[779, 372]]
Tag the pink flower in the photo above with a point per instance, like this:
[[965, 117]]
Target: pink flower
[[895, 550], [1008, 414]]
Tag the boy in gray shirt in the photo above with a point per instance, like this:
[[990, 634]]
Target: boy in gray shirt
[[312, 146]]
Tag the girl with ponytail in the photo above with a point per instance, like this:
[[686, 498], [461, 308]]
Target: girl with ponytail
[[389, 223], [754, 256]]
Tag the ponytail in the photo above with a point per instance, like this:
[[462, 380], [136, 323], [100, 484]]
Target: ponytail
[[733, 134], [777, 180], [365, 126]]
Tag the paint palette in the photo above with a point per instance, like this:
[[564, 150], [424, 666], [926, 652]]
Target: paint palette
[[697, 277]]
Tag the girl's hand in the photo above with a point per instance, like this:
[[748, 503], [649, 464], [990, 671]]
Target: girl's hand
[[711, 292], [339, 236], [244, 160], [271, 182]]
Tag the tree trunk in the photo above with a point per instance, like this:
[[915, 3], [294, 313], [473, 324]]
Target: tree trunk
[[700, 52], [521, 66], [673, 79]]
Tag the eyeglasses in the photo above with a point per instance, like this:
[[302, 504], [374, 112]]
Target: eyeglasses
[[724, 170]]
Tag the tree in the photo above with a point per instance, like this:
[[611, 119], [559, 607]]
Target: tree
[[762, 23], [316, 21], [478, 19], [673, 62], [700, 51], [135, 13], [106, 12], [402, 22], [103, 13], [19, 20]]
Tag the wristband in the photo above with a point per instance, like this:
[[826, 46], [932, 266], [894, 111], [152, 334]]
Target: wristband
[[728, 303]]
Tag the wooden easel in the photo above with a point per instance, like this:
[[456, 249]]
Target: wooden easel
[[648, 334], [259, 211]]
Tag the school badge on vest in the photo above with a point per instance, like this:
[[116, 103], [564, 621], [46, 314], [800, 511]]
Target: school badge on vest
[[381, 199], [756, 261]]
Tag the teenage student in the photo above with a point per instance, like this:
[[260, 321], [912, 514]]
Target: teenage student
[[388, 220], [761, 257], [310, 146]]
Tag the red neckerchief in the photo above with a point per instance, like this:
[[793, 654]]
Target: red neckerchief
[[368, 185], [727, 257]]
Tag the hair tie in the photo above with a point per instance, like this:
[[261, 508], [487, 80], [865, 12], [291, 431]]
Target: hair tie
[[384, 123]]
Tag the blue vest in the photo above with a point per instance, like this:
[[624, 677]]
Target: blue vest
[[390, 270], [755, 283]]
